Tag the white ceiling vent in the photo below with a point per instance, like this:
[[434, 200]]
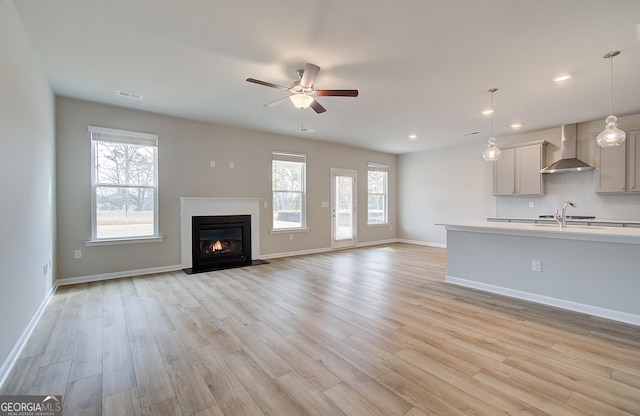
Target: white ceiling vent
[[127, 94]]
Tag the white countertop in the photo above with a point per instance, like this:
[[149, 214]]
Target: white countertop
[[590, 221], [626, 235]]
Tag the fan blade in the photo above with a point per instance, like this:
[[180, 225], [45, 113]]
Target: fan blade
[[337, 93], [309, 75], [317, 107], [267, 84], [275, 102]]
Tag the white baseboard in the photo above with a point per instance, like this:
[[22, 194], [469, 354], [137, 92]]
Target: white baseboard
[[116, 275], [325, 249], [17, 348], [377, 243], [422, 243], [294, 253], [546, 300]]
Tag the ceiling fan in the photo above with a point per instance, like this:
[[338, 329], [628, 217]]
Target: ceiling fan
[[302, 92]]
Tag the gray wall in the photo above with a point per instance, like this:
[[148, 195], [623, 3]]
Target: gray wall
[[27, 222], [444, 185], [455, 184], [186, 149]]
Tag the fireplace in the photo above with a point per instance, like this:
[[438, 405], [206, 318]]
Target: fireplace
[[212, 207], [220, 242]]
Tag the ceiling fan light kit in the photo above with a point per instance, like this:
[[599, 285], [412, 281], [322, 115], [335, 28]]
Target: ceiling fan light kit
[[302, 92], [492, 152], [611, 136], [301, 101]]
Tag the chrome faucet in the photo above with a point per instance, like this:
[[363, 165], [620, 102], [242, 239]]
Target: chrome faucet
[[562, 219]]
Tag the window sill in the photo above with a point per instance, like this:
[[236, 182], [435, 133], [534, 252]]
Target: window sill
[[289, 230], [116, 241], [379, 224]]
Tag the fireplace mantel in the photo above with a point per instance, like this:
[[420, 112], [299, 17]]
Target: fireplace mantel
[[201, 206]]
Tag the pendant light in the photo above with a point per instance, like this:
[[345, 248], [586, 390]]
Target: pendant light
[[492, 152], [611, 136]]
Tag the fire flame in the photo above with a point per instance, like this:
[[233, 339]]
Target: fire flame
[[217, 246]]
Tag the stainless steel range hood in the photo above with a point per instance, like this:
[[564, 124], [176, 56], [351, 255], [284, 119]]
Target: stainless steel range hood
[[568, 161]]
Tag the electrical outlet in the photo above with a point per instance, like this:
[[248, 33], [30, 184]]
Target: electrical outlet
[[290, 236], [46, 268], [232, 165], [532, 204], [77, 254], [213, 163], [536, 266]]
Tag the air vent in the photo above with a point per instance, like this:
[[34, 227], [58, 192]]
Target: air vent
[[127, 94]]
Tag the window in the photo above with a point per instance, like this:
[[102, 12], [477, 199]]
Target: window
[[288, 186], [124, 184], [377, 193]]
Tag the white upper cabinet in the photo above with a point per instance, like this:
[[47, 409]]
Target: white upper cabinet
[[517, 172]]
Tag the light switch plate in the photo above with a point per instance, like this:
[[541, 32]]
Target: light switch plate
[[536, 265]]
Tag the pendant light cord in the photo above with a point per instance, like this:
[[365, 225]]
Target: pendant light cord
[[491, 121], [610, 85]]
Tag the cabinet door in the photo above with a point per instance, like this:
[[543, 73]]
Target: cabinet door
[[633, 161], [504, 173], [528, 164], [610, 169]]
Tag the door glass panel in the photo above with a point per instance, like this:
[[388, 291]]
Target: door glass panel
[[344, 207]]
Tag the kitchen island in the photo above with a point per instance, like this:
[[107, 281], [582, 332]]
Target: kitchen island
[[589, 269]]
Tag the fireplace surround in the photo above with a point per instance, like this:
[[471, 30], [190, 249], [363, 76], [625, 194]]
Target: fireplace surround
[[193, 207]]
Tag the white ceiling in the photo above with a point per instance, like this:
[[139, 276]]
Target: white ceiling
[[422, 66]]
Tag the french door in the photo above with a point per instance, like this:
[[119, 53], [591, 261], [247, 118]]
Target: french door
[[343, 208]]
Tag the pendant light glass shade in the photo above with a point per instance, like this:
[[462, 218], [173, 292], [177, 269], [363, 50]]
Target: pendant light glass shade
[[611, 136], [492, 152]]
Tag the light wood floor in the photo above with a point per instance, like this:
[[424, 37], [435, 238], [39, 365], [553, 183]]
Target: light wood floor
[[371, 331]]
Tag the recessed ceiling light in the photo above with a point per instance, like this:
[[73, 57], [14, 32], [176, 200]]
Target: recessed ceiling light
[[413, 136], [128, 94], [562, 77], [516, 125]]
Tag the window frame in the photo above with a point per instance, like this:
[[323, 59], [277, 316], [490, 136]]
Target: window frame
[[295, 158], [378, 167], [109, 135]]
